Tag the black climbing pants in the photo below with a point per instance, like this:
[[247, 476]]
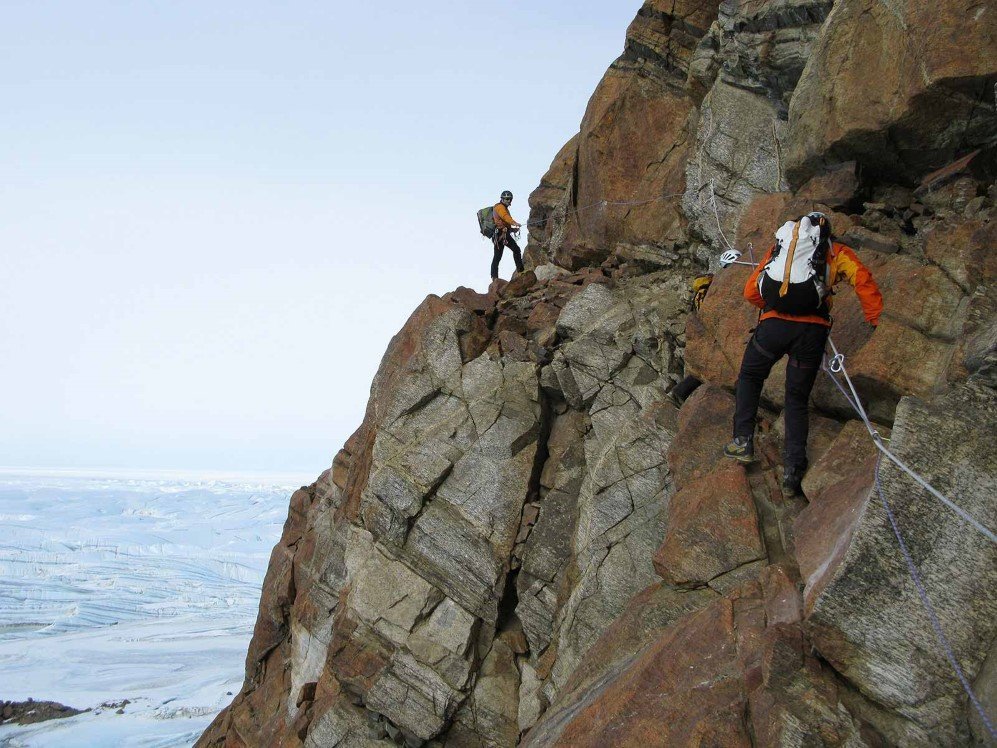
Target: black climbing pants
[[501, 239], [774, 338]]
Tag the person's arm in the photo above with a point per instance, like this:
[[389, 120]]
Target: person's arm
[[503, 213], [751, 292], [847, 266]]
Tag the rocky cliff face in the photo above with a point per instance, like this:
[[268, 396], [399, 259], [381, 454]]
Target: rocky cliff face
[[526, 540]]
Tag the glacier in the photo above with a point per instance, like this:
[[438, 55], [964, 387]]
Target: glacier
[[130, 586]]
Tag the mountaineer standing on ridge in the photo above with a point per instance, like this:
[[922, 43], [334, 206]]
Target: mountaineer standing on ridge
[[792, 285], [504, 225]]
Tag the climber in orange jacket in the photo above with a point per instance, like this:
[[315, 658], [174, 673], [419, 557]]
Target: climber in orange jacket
[[792, 285], [504, 224]]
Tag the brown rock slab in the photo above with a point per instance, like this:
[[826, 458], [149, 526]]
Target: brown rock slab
[[835, 187], [712, 529], [896, 102], [716, 336], [653, 700], [838, 488], [705, 422], [726, 675], [632, 145]]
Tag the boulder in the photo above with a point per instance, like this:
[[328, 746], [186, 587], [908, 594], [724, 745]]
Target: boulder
[[918, 111], [712, 529], [729, 674], [865, 616]]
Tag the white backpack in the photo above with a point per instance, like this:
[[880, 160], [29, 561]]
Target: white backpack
[[795, 280]]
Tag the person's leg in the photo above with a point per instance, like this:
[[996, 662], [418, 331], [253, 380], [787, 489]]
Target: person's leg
[[766, 346], [681, 391], [497, 244], [517, 254], [801, 373]]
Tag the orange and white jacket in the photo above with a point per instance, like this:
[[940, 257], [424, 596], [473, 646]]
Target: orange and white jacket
[[842, 264], [502, 217]]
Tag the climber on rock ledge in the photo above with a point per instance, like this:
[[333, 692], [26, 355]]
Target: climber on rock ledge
[[505, 224], [792, 285]]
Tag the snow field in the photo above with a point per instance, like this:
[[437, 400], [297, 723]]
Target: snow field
[[136, 588]]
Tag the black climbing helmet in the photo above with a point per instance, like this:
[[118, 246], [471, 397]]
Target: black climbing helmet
[[506, 194]]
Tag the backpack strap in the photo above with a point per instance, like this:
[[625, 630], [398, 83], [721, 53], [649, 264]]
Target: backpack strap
[[789, 260]]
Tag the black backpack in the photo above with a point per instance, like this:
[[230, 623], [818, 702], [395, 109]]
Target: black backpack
[[803, 244]]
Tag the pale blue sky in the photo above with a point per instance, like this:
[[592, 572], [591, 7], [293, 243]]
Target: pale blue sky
[[214, 215]]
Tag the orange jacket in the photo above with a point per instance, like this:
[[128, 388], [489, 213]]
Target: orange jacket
[[842, 264], [503, 219]]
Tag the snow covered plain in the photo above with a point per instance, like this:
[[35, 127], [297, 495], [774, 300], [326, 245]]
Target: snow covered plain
[[130, 586]]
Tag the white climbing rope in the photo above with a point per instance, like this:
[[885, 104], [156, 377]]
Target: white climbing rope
[[716, 214], [836, 365]]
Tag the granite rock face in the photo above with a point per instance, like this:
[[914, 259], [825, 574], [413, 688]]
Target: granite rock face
[[530, 539], [930, 100], [869, 584], [621, 178]]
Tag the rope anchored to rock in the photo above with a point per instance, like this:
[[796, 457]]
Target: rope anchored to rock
[[835, 365], [926, 602]]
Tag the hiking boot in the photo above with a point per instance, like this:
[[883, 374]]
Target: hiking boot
[[792, 483], [740, 449]]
